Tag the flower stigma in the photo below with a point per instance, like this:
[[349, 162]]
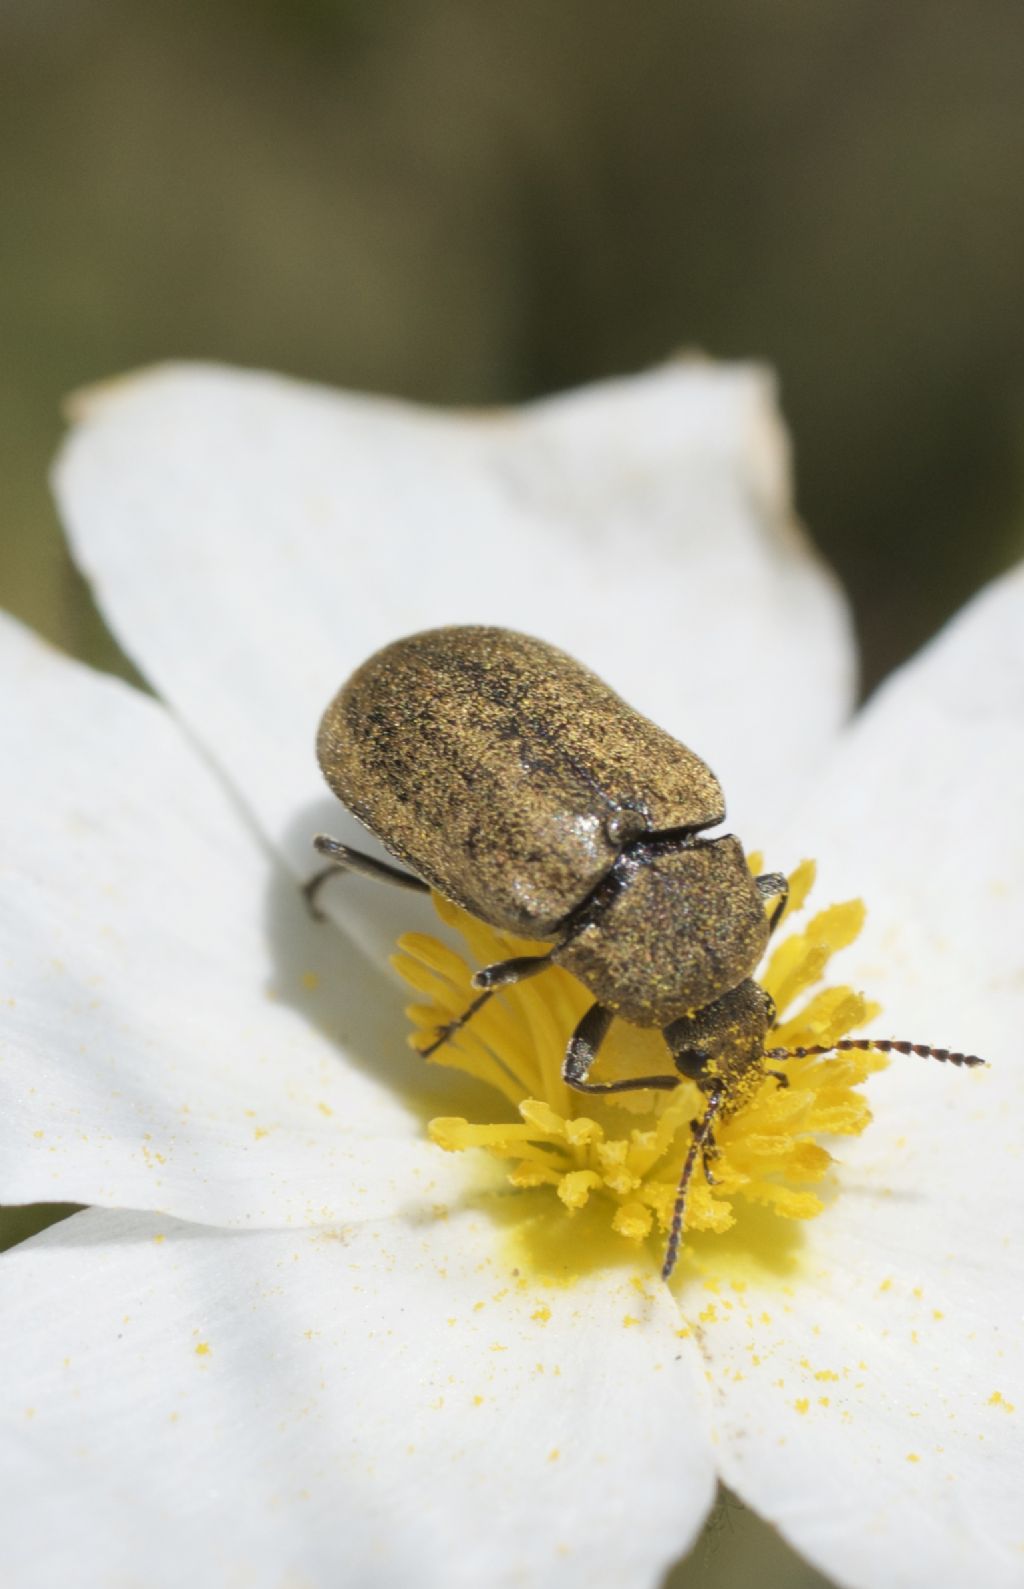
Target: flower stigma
[[620, 1155]]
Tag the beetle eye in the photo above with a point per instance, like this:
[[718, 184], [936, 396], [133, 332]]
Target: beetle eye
[[622, 826]]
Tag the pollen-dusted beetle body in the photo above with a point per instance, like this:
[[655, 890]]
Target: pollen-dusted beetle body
[[509, 778], [681, 926], [514, 782]]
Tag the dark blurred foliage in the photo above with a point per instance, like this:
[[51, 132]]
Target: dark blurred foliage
[[468, 201]]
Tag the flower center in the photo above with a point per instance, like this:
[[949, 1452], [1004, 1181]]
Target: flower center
[[625, 1151]]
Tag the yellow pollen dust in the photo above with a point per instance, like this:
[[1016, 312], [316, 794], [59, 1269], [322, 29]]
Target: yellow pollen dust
[[626, 1150]]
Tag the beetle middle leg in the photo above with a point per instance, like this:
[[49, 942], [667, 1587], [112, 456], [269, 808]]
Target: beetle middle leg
[[444, 1034], [344, 859], [491, 979], [503, 973]]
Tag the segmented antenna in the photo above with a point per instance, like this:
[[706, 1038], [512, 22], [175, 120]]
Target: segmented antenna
[[881, 1045], [703, 1130]]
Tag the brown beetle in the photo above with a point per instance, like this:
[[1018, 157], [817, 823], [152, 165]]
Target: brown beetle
[[509, 778]]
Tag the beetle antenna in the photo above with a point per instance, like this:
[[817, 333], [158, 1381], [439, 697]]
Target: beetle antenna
[[881, 1045], [700, 1141]]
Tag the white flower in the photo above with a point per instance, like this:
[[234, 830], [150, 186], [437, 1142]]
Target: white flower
[[286, 1344]]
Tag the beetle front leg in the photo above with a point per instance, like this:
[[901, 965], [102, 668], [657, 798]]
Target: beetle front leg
[[774, 885], [584, 1043], [591, 1031]]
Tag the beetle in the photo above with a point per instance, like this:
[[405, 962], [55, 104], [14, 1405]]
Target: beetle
[[509, 778]]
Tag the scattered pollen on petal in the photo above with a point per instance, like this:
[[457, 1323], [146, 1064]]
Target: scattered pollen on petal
[[613, 1164]]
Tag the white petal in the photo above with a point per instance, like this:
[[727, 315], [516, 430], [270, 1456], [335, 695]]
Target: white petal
[[872, 1405], [252, 540], [876, 1414], [919, 812], [388, 1407], [161, 1047], [872, 1397]]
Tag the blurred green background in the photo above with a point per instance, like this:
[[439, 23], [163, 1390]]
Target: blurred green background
[[468, 201]]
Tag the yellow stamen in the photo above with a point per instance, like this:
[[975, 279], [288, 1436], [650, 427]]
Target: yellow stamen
[[626, 1150]]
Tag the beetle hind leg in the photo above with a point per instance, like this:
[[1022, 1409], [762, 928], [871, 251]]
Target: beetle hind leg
[[344, 859]]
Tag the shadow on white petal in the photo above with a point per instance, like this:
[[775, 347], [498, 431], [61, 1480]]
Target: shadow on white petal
[[336, 975]]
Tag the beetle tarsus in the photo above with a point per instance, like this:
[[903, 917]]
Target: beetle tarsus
[[628, 1084], [444, 1034], [582, 1051], [312, 886], [500, 975]]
